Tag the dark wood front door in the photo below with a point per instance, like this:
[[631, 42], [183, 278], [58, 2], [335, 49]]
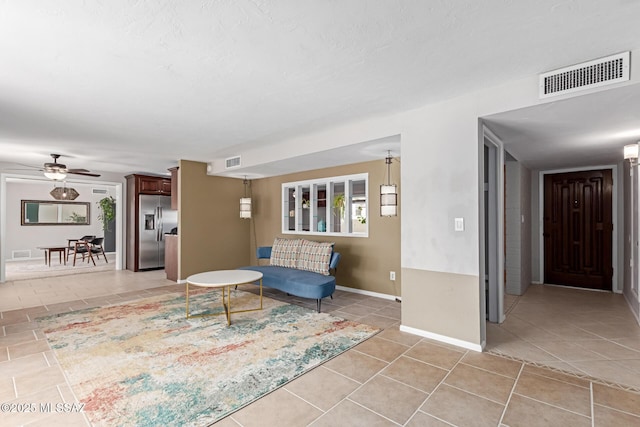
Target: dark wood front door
[[578, 229]]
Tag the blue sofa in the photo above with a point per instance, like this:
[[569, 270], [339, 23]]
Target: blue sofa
[[301, 283]]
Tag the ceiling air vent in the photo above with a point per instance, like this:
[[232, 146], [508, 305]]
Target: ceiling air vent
[[232, 162], [599, 72]]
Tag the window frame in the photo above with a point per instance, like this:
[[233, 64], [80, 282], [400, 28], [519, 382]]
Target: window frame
[[297, 219]]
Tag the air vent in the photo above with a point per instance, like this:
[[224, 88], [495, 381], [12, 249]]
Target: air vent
[[232, 162], [596, 73], [25, 253], [98, 191]]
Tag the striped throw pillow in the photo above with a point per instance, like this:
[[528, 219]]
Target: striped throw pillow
[[284, 252], [315, 256]]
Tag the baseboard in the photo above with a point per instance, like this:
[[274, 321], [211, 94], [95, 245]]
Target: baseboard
[[535, 282], [636, 314], [369, 293], [443, 338]]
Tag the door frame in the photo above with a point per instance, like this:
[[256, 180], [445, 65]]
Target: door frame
[[119, 261], [615, 286], [494, 234]]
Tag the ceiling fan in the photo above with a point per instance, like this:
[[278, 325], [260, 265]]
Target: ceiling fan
[[57, 171]]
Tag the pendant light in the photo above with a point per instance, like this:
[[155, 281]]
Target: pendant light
[[388, 193], [64, 192], [245, 202]]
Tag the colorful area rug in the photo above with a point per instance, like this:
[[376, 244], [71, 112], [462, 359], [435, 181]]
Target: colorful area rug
[[143, 363]]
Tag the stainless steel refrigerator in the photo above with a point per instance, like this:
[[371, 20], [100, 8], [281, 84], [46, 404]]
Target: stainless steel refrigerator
[[156, 218]]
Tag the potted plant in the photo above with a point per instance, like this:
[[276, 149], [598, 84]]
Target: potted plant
[[107, 206]]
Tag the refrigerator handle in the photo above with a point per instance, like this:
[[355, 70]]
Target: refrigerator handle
[[161, 225]]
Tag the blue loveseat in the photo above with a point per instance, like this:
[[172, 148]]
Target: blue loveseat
[[301, 283]]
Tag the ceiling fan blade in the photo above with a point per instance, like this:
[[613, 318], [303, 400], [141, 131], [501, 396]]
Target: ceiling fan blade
[[82, 172]]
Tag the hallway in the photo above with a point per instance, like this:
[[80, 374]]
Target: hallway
[[593, 334]]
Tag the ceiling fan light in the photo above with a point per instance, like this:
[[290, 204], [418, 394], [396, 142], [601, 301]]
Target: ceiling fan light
[[55, 175]]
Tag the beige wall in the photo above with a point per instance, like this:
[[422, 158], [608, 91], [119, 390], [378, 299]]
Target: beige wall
[[447, 304], [212, 235], [366, 261]]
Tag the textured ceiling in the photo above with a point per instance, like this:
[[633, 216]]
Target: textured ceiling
[[128, 86]]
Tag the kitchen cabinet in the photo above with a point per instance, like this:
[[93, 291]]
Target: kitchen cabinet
[[174, 187], [152, 184]]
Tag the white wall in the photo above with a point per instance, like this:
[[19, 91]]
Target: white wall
[[22, 237]]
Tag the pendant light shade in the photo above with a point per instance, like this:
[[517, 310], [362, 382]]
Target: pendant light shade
[[64, 193], [245, 202], [388, 200], [388, 193], [245, 207]]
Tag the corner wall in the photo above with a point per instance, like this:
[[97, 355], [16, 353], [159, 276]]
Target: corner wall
[[366, 261], [518, 227], [211, 234]]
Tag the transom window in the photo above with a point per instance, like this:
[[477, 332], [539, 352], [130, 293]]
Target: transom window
[[337, 206]]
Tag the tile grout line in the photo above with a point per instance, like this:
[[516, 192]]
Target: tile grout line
[[487, 370], [506, 405], [369, 409], [375, 375], [617, 410], [438, 386], [552, 405], [579, 374], [593, 418]]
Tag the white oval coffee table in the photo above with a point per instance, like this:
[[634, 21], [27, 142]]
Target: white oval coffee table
[[223, 279]]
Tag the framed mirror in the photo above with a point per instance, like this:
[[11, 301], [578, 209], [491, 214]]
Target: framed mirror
[[44, 212]]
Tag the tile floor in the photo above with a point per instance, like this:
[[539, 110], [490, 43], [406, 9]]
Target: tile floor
[[585, 332], [390, 380]]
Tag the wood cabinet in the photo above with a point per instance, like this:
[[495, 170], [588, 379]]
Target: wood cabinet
[[174, 187], [152, 184]]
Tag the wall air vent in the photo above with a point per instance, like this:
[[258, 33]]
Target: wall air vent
[[98, 191], [232, 162], [596, 73], [21, 254]]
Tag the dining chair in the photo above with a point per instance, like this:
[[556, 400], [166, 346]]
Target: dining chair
[[97, 248], [71, 244]]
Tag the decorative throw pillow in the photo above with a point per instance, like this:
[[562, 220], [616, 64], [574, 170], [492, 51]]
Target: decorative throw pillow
[[284, 252], [315, 256]]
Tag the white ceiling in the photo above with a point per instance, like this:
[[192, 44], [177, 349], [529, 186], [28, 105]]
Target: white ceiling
[[129, 86]]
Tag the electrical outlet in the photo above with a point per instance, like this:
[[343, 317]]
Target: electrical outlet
[[392, 275]]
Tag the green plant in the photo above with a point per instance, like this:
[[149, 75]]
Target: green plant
[[107, 206], [75, 217], [338, 203]]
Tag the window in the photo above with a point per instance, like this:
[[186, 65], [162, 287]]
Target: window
[[334, 206]]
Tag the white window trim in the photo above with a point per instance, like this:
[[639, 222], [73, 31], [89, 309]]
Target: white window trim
[[298, 185]]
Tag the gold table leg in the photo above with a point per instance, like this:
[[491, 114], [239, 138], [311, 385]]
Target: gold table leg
[[226, 304]]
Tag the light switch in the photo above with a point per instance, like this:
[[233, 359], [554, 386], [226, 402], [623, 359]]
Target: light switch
[[459, 224]]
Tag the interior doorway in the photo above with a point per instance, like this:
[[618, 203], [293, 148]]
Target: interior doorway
[[578, 229], [10, 220], [492, 227]]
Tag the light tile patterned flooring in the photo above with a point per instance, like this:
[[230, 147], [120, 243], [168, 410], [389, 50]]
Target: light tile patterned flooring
[[586, 332], [392, 379]]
